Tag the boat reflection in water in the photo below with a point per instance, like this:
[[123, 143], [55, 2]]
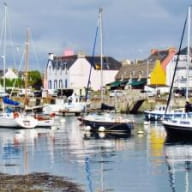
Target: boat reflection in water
[[179, 163], [104, 135], [18, 147]]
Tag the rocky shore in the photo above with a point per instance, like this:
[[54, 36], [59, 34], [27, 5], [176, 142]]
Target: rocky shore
[[36, 182]]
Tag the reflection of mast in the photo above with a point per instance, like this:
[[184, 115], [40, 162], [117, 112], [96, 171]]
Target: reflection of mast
[[178, 158], [26, 64]]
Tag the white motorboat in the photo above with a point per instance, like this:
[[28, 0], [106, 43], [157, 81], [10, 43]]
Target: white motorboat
[[61, 107]]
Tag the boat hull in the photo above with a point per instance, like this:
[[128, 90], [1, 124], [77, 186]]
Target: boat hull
[[8, 120], [108, 126], [26, 122], [159, 116], [45, 123], [175, 130]]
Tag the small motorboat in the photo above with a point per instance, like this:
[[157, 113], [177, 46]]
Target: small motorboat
[[106, 122]]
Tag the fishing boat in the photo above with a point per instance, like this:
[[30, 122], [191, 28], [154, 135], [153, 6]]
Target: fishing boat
[[106, 122]]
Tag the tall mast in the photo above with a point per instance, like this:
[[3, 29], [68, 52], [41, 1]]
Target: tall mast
[[4, 42], [101, 49], [26, 62], [188, 51]]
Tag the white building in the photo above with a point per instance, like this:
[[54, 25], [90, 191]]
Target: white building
[[73, 71], [10, 74], [183, 70]]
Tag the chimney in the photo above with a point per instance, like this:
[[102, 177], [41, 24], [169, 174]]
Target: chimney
[[51, 55]]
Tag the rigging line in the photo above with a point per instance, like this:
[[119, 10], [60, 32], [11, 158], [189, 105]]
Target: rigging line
[[36, 55], [19, 68], [13, 51], [92, 62], [177, 61]]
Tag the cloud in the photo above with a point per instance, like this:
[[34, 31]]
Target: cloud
[[128, 26]]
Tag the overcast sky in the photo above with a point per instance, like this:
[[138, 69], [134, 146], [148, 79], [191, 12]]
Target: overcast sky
[[131, 28]]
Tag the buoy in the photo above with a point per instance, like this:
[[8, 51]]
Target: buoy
[[140, 132], [101, 135], [62, 120], [88, 134], [101, 129], [15, 115], [87, 128], [53, 127], [146, 123]]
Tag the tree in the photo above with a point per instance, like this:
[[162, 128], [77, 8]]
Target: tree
[[35, 80]]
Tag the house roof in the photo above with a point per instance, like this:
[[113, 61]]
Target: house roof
[[109, 63], [62, 62], [143, 67], [184, 51]]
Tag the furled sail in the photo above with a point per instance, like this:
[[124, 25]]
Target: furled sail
[[8, 101]]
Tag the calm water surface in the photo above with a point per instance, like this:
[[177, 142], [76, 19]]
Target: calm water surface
[[141, 162]]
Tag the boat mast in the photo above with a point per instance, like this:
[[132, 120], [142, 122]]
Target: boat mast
[[4, 43], [26, 63], [188, 52], [101, 49]]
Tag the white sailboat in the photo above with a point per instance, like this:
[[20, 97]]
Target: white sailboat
[[181, 127], [9, 117]]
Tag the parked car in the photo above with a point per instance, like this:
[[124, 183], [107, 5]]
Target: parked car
[[37, 93], [149, 93], [116, 93]]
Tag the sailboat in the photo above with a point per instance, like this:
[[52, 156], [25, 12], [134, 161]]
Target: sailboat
[[180, 127], [39, 119], [107, 122]]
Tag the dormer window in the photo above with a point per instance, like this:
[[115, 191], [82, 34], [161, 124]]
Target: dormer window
[[140, 74]]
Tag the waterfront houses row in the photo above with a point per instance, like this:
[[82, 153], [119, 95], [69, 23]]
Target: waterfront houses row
[[73, 71], [157, 70]]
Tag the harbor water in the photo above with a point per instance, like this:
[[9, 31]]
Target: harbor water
[[144, 161]]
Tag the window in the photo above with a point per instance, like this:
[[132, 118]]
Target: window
[[55, 84], [60, 84], [66, 83], [49, 84]]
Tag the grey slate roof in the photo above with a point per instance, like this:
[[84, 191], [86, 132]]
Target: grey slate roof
[[109, 63]]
